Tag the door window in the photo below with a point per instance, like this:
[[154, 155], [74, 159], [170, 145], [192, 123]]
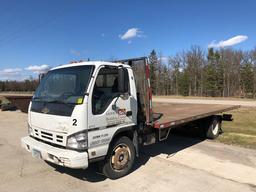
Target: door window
[[105, 89]]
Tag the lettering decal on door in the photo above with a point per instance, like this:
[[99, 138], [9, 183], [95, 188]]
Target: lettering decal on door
[[121, 112], [115, 118]]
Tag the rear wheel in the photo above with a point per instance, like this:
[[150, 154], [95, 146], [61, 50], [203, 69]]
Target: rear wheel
[[120, 158], [214, 128]]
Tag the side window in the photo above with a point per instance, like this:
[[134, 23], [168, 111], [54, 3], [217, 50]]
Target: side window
[[105, 89]]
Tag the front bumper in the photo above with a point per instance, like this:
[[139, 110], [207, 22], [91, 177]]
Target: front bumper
[[63, 157]]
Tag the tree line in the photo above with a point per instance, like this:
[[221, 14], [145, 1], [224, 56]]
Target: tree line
[[28, 85], [195, 72]]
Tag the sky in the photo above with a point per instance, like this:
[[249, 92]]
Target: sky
[[36, 35]]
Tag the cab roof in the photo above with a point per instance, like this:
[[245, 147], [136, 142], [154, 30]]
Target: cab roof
[[95, 63]]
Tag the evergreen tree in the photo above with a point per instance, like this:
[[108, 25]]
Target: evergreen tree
[[153, 62]]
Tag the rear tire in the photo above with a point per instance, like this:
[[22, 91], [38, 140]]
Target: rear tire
[[214, 128], [120, 158]]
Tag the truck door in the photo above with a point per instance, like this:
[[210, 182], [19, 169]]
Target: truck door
[[141, 74], [107, 111]]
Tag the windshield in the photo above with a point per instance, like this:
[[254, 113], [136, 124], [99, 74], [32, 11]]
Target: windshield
[[65, 85]]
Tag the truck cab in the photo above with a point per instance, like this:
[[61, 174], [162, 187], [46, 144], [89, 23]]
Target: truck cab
[[85, 112]]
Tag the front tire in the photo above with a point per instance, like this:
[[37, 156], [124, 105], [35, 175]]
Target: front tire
[[120, 158]]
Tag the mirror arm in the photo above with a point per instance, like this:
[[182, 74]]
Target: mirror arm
[[114, 105]]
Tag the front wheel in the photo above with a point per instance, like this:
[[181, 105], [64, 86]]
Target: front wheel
[[120, 158]]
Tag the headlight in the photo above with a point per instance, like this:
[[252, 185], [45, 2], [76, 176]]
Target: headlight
[[30, 130], [77, 141]]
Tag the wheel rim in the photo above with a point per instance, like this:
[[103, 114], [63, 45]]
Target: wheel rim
[[120, 157], [215, 129]]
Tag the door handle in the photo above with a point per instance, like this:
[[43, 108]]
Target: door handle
[[129, 113]]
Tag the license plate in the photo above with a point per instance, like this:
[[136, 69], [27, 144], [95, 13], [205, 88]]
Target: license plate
[[36, 154]]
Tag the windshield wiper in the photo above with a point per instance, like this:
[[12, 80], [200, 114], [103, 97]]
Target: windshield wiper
[[37, 98], [58, 101]]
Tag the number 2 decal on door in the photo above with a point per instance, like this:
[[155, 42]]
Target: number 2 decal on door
[[74, 122]]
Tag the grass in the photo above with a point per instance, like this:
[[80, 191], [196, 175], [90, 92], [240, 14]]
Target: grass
[[241, 131], [3, 100], [209, 98]]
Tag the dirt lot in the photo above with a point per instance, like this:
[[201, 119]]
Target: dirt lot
[[179, 164]]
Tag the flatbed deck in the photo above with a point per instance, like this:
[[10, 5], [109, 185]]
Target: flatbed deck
[[174, 114]]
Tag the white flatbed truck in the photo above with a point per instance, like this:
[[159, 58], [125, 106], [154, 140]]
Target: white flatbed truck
[[103, 111]]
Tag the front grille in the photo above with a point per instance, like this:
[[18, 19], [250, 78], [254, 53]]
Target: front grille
[[50, 143], [48, 136]]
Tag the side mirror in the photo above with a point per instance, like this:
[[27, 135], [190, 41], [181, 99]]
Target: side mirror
[[122, 80]]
